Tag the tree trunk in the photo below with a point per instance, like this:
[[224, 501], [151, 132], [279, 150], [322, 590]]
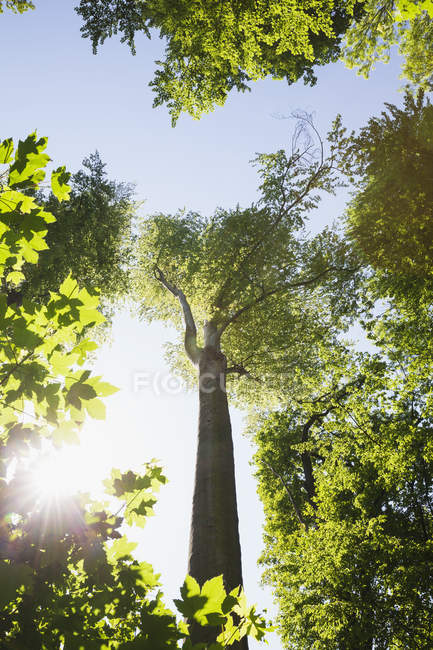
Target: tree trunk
[[214, 540]]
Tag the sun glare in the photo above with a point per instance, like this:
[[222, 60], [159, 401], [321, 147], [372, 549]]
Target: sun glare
[[54, 476], [58, 474]]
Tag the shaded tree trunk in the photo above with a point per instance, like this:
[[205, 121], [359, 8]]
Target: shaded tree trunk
[[214, 540]]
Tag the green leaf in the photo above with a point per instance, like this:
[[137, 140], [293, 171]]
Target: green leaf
[[59, 186], [68, 287], [6, 151], [15, 277], [96, 409], [120, 548], [29, 159], [91, 317], [192, 601], [25, 338], [104, 389]]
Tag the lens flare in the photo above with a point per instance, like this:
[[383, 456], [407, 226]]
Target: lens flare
[[62, 473], [55, 475]]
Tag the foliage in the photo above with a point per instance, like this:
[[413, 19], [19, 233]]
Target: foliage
[[68, 577], [211, 605], [213, 47], [346, 478], [346, 469], [239, 266], [390, 216], [17, 6], [385, 23], [91, 237]]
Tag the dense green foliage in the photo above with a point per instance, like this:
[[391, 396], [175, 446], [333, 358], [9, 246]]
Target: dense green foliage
[[213, 47], [68, 579], [346, 479], [239, 266], [385, 23], [90, 238], [346, 472], [390, 218]]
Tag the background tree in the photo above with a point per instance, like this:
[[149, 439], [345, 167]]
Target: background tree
[[215, 47], [246, 282], [91, 237], [345, 471], [385, 23], [391, 160], [346, 482], [389, 219]]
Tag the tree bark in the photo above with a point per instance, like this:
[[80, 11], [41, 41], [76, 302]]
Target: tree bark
[[214, 541]]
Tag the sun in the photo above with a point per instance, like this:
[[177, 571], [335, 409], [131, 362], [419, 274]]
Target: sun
[[57, 474], [54, 475]]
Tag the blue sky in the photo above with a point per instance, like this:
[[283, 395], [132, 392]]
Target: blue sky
[[52, 82]]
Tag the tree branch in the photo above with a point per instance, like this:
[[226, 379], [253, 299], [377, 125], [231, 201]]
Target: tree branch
[[192, 350], [307, 465], [267, 294], [284, 208], [241, 371], [290, 495]]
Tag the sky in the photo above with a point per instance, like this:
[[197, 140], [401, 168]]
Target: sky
[[52, 82]]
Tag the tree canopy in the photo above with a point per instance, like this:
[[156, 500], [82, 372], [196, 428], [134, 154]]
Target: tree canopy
[[238, 266], [345, 472], [214, 47], [390, 217], [91, 237], [346, 481], [386, 23]]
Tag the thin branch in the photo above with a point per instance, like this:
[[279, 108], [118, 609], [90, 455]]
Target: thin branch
[[267, 294], [239, 369], [284, 210]]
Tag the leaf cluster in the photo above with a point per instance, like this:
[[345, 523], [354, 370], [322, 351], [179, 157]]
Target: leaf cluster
[[215, 47], [390, 216], [386, 23], [346, 481], [91, 237], [17, 6]]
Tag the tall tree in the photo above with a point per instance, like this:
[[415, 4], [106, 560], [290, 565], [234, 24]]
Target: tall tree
[[246, 282], [213, 47]]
